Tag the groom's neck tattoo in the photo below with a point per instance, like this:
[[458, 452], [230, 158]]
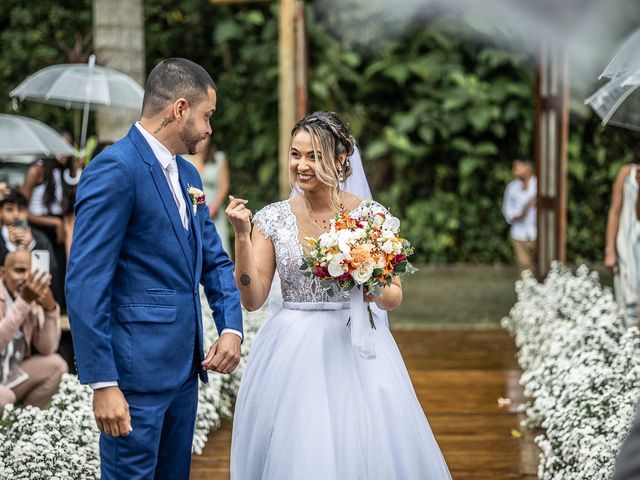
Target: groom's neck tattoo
[[245, 280], [166, 121]]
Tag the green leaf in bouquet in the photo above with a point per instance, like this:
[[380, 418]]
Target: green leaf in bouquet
[[327, 283], [345, 287], [375, 290], [410, 268], [377, 272], [400, 267]]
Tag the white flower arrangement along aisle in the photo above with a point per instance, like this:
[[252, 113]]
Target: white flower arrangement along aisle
[[61, 442], [581, 370]]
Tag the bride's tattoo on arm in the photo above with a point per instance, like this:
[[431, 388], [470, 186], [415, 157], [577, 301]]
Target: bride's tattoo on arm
[[245, 280], [166, 121]]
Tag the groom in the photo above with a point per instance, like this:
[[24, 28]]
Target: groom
[[143, 242]]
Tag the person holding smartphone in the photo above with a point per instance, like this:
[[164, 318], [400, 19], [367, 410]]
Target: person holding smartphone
[[30, 370], [16, 233]]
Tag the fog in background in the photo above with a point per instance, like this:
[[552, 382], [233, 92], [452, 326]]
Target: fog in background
[[591, 30]]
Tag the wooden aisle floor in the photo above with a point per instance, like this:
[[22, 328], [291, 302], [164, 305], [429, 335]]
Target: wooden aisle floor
[[458, 376]]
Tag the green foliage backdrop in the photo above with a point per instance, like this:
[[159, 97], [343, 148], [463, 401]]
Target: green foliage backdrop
[[438, 118]]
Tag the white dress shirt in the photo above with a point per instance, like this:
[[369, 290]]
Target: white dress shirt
[[165, 157], [516, 197], [9, 245]]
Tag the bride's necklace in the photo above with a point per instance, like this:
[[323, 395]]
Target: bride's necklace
[[323, 222]]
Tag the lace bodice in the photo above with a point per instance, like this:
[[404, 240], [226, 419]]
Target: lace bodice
[[277, 221]]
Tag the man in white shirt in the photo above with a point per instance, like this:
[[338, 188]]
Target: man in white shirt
[[519, 209]]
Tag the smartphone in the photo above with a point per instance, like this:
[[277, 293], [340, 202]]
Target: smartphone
[[21, 223], [40, 261]]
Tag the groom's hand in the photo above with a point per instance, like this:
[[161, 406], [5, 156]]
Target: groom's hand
[[224, 354], [111, 412]]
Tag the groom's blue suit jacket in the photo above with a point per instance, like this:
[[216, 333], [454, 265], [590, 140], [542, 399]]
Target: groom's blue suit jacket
[[134, 272]]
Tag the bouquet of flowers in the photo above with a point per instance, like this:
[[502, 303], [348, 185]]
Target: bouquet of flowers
[[365, 252]]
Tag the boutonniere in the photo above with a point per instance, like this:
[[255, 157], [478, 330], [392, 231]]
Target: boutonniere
[[197, 197]]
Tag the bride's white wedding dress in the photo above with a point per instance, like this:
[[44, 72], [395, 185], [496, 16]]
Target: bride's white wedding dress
[[310, 407]]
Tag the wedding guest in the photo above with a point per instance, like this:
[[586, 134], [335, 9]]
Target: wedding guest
[[4, 188], [519, 209], [16, 233], [29, 334], [622, 250], [50, 200], [214, 171]]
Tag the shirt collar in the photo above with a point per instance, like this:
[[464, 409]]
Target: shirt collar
[[161, 152]]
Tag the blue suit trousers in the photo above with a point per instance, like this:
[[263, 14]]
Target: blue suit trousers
[[162, 422]]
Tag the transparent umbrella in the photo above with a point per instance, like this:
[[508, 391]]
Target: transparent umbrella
[[618, 102], [626, 60], [80, 85], [26, 136]]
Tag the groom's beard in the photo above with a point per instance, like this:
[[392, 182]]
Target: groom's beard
[[190, 138]]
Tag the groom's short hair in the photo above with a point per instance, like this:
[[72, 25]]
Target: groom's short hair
[[172, 79]]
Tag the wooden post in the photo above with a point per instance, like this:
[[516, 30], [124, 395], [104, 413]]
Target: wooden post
[[118, 41], [302, 93], [552, 138], [286, 90]]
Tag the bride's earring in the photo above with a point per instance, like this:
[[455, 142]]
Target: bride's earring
[[340, 175]]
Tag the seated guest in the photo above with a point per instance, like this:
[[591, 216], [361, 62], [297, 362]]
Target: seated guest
[[16, 233], [29, 334]]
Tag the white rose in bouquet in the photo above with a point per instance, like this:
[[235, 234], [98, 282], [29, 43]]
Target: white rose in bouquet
[[391, 223], [363, 273], [387, 247]]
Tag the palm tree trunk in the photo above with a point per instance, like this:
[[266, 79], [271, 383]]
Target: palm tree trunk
[[118, 40]]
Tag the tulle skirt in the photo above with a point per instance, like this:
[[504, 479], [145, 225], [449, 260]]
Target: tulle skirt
[[311, 408]]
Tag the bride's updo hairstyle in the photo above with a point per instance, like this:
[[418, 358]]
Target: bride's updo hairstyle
[[331, 138]]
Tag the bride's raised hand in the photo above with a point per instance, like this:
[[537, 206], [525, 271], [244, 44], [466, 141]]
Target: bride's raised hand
[[239, 215]]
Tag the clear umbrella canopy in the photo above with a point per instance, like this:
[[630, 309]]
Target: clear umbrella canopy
[[618, 101], [26, 136], [627, 59], [79, 84]]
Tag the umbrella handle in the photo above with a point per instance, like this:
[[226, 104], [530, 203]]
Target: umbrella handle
[[70, 179]]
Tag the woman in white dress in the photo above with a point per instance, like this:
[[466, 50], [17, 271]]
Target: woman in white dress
[[310, 405], [622, 251]]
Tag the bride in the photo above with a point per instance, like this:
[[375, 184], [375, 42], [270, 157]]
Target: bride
[[311, 406]]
